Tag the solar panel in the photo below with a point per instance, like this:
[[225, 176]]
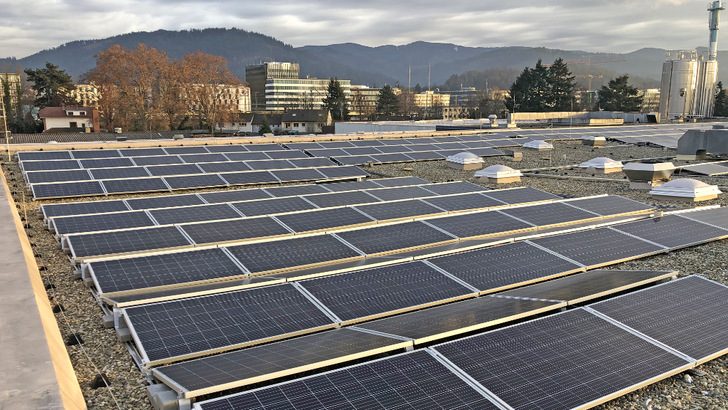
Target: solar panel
[[273, 206], [362, 151], [264, 147], [291, 253], [385, 158], [479, 224], [717, 216], [246, 156], [101, 222], [391, 149], [365, 294], [226, 148], [416, 381], [118, 275], [460, 187], [521, 195], [424, 156], [708, 169], [350, 186], [114, 173], [507, 266], [287, 154], [195, 181], [326, 152], [236, 195], [610, 205], [343, 172], [106, 163], [140, 152], [296, 190], [249, 177], [311, 162], [234, 230], [67, 189], [178, 215], [95, 153], [79, 208], [402, 181], [335, 144], [400, 209], [366, 143], [354, 159], [596, 247], [195, 326], [49, 165], [224, 167], [439, 322], [270, 164], [244, 367], [169, 201], [589, 285], [672, 231], [562, 361], [157, 160], [194, 158], [162, 170], [341, 199], [118, 186], [462, 202], [395, 237], [450, 146], [133, 240], [406, 192], [38, 177], [549, 214], [302, 174], [323, 219], [43, 155], [689, 315], [303, 145], [186, 150]]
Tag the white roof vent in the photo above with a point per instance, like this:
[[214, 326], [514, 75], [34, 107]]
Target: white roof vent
[[465, 161], [538, 145], [499, 174], [685, 189], [601, 165], [647, 176]]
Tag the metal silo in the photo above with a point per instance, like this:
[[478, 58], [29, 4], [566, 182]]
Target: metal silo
[[677, 88]]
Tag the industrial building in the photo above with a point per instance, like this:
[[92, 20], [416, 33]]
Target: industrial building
[[257, 75]]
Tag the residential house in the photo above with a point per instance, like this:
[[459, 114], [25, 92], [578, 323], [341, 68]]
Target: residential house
[[77, 119], [305, 121]]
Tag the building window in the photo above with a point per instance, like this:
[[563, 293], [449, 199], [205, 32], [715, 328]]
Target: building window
[[295, 125], [73, 124]]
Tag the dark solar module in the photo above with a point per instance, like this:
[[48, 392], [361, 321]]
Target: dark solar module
[[247, 156], [186, 150], [194, 326], [195, 181], [315, 220], [270, 164], [118, 275], [392, 149], [80, 208], [224, 167], [521, 195], [455, 188], [159, 160], [233, 196], [341, 199], [326, 152], [478, 224], [39, 177], [311, 162], [135, 185], [303, 145], [302, 174], [287, 154], [486, 152], [101, 222], [549, 214], [716, 216], [423, 147], [336, 144], [119, 173], [50, 165], [672, 231], [689, 315], [385, 158], [291, 253], [164, 201], [394, 237], [353, 160], [406, 192], [186, 169], [366, 143], [95, 153], [43, 155], [67, 189], [264, 147], [399, 209], [106, 163], [397, 141], [226, 148], [107, 243], [249, 177], [142, 152], [184, 214], [360, 294], [402, 181], [424, 156], [610, 205], [195, 158], [234, 230], [350, 186], [414, 381], [463, 202], [362, 151], [503, 266], [561, 361], [597, 246], [343, 172], [272, 206], [450, 146], [296, 190]]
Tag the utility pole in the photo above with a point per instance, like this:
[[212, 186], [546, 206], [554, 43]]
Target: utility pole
[[6, 133]]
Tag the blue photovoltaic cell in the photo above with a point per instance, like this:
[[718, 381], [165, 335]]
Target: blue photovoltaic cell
[[106, 163], [366, 143], [178, 215], [246, 156], [311, 162], [287, 154], [363, 151], [341, 199], [390, 149], [112, 173], [343, 172], [39, 177], [43, 155], [353, 160], [101, 222], [521, 195], [142, 152], [107, 243], [303, 174], [296, 190], [396, 237], [96, 153], [164, 201], [270, 164], [350, 186], [398, 209], [135, 185], [234, 230], [264, 147], [226, 148], [80, 208], [67, 189], [234, 195], [49, 165], [463, 201], [162, 170], [195, 158], [195, 181], [249, 177], [229, 166], [185, 150], [549, 214], [315, 220], [478, 224], [158, 160], [402, 181], [406, 192], [335, 144], [272, 206]]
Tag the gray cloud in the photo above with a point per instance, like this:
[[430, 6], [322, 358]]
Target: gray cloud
[[590, 25]]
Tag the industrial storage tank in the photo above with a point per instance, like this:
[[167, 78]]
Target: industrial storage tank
[[677, 88]]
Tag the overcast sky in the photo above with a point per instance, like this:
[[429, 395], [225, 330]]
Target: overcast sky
[[591, 25]]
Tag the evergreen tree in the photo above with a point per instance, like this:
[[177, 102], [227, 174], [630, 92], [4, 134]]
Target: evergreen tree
[[721, 101], [264, 127], [618, 95], [335, 101], [387, 101], [563, 87], [531, 90], [51, 86]]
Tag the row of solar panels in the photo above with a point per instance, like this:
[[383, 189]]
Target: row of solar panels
[[415, 149], [289, 258], [170, 201], [209, 180], [175, 330], [273, 206], [192, 378], [411, 156], [575, 359], [382, 143], [367, 241]]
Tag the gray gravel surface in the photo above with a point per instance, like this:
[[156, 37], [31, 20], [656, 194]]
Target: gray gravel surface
[[101, 352]]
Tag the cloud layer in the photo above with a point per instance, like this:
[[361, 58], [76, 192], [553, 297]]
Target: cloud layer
[[591, 25]]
